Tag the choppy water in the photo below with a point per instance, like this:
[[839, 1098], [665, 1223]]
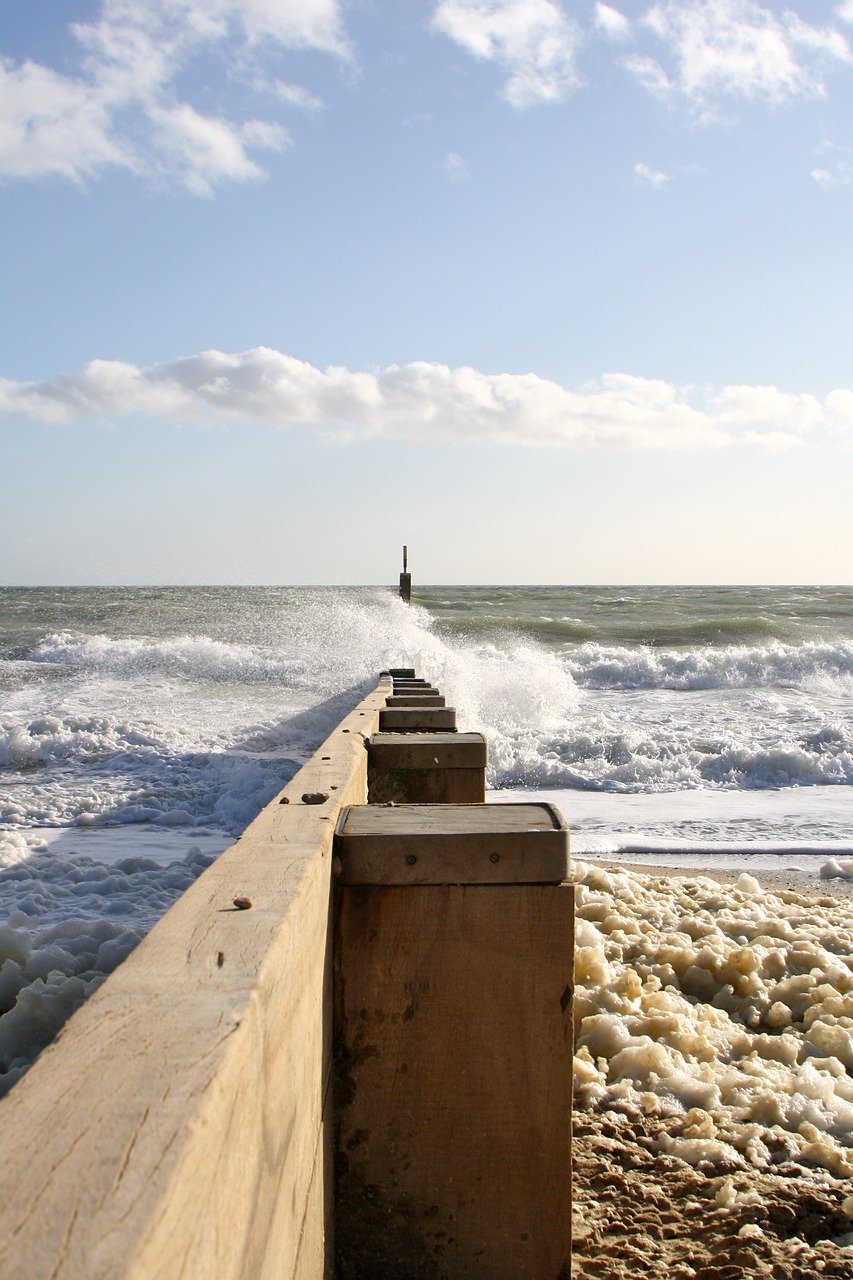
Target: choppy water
[[141, 729]]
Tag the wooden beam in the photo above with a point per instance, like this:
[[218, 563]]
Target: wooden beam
[[179, 1126]]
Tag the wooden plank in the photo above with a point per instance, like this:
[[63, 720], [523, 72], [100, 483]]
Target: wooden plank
[[177, 1129], [453, 1030]]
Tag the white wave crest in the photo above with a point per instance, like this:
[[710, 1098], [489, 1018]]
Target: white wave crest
[[808, 665]]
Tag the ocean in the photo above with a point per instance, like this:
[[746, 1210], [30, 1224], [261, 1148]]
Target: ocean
[[142, 728]]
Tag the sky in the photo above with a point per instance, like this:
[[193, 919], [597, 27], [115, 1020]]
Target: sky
[[553, 291]]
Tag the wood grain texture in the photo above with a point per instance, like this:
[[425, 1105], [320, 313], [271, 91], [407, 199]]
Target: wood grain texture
[[426, 768], [178, 1126], [540, 818], [453, 1079], [439, 785]]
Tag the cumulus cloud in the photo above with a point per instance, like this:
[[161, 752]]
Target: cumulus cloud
[[425, 401], [123, 108], [654, 177], [796, 413], [533, 40], [720, 49]]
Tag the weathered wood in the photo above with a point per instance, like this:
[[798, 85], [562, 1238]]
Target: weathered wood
[[402, 672], [426, 786], [415, 700], [178, 1126], [451, 844], [426, 768], [453, 1082], [418, 719], [427, 751]]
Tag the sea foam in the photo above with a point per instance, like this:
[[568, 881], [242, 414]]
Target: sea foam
[[725, 1009], [70, 920]]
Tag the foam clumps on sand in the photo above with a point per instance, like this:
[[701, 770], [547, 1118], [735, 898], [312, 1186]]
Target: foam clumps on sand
[[837, 869], [723, 1010]]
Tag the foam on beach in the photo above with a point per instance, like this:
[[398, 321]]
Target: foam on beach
[[69, 921], [726, 1010]]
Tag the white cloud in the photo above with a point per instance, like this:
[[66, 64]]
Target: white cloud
[[737, 49], [835, 168], [611, 21], [650, 74], [122, 109], [424, 401], [296, 95], [52, 124], [204, 150], [795, 413], [655, 177], [839, 407], [532, 40], [455, 167]]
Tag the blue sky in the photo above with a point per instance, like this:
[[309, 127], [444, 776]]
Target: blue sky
[[551, 291]]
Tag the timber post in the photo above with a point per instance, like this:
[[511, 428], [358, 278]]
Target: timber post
[[452, 1070], [406, 579]]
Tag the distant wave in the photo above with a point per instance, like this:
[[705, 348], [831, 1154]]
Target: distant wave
[[595, 666], [542, 629], [635, 763], [568, 630], [185, 657]]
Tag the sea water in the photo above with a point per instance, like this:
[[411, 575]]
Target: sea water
[[142, 729]]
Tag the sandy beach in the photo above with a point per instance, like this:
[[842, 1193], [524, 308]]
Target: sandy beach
[[764, 1191]]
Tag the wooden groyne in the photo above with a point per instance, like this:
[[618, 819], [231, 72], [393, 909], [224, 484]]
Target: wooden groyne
[[354, 1027]]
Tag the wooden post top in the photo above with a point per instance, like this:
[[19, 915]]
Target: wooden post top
[[451, 844]]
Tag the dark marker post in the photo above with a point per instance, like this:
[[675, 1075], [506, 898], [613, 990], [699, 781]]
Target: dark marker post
[[406, 578]]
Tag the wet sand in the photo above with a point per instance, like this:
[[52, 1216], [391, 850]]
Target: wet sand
[[640, 1213]]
